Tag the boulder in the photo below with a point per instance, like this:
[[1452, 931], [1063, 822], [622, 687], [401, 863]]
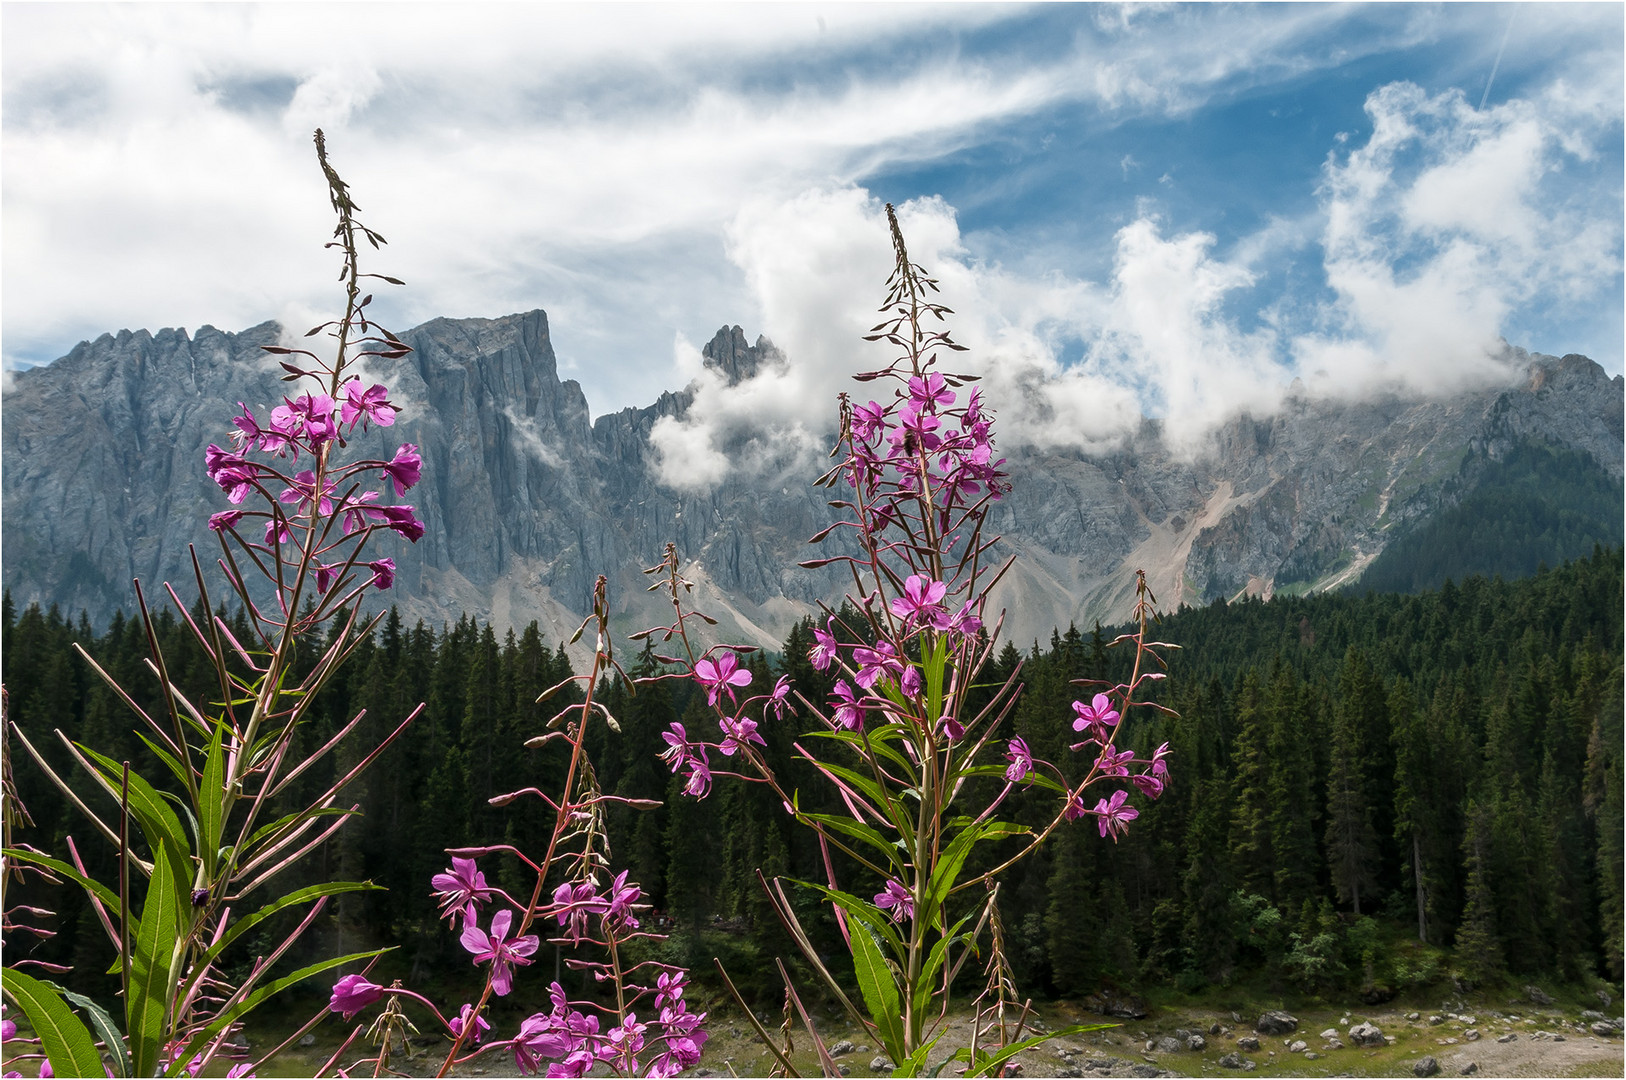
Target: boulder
[[1249, 1043], [1233, 1060], [1276, 1022], [1426, 1066], [1330, 1033], [1436, 1020], [845, 1046], [1196, 1042], [1509, 1037], [1366, 1033], [880, 1062], [1603, 1029], [1112, 1003], [1297, 1046], [1334, 1044], [1168, 1044], [1535, 994], [1470, 1068], [1472, 1034]]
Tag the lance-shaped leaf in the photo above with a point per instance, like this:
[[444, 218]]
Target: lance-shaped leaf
[[68, 1043], [880, 991], [151, 959], [105, 1029]]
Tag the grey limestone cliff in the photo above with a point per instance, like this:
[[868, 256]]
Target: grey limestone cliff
[[527, 499]]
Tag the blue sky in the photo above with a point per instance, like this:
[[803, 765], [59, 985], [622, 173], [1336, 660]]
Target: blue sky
[[1175, 209]]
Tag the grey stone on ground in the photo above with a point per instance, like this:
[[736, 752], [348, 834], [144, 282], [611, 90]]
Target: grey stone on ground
[[1535, 994], [1068, 1070], [1593, 1014], [1311, 1055], [1214, 1028], [1146, 1070], [1366, 1033], [1168, 1044], [1334, 1043], [1249, 1066], [1297, 1046], [1233, 1060], [1248, 1042], [1330, 1033], [1426, 1066], [1509, 1037], [1603, 996], [845, 1046], [1276, 1022], [844, 1070], [1472, 1034], [1470, 1068], [1436, 1020], [1196, 1042], [1603, 1029], [1182, 1034], [1414, 1016], [879, 1062], [308, 1040]]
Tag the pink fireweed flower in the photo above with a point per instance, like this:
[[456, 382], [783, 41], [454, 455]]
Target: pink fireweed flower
[[1098, 714], [896, 897], [404, 469], [876, 662], [234, 474], [952, 729], [357, 513], [823, 652], [966, 623], [1112, 763], [622, 898], [1075, 807], [352, 994], [574, 903], [669, 987], [226, 519], [677, 752], [277, 532], [365, 405], [325, 573], [848, 713], [542, 1038], [461, 890], [922, 603], [625, 1041], [910, 682], [308, 414], [779, 700], [383, 573], [1021, 760], [699, 783], [503, 954], [719, 675], [868, 421], [1115, 816], [303, 492], [242, 1071], [460, 1023], [739, 732], [8, 1029], [403, 520], [929, 392]]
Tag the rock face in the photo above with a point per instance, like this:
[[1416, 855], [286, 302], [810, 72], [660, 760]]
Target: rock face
[[527, 499]]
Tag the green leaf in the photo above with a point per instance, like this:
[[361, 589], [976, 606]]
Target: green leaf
[[151, 959], [170, 761], [880, 991], [158, 822], [266, 830], [934, 960], [68, 1043], [105, 1029], [255, 1000], [859, 831], [57, 866], [953, 860], [865, 912], [212, 802]]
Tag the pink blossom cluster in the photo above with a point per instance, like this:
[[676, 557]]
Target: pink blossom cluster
[[719, 672], [311, 424], [572, 1037]]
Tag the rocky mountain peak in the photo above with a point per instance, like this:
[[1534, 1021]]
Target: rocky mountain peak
[[730, 353]]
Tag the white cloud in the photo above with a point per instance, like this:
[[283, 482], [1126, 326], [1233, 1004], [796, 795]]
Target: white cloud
[[1442, 226]]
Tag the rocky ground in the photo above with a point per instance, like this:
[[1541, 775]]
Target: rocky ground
[[1527, 1040]]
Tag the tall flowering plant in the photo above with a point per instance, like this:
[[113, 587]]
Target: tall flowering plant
[[294, 551], [641, 1024], [898, 740]]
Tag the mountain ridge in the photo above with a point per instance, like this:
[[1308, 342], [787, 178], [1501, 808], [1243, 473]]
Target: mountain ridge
[[527, 497]]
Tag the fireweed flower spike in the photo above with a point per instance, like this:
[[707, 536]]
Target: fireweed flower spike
[[503, 954]]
